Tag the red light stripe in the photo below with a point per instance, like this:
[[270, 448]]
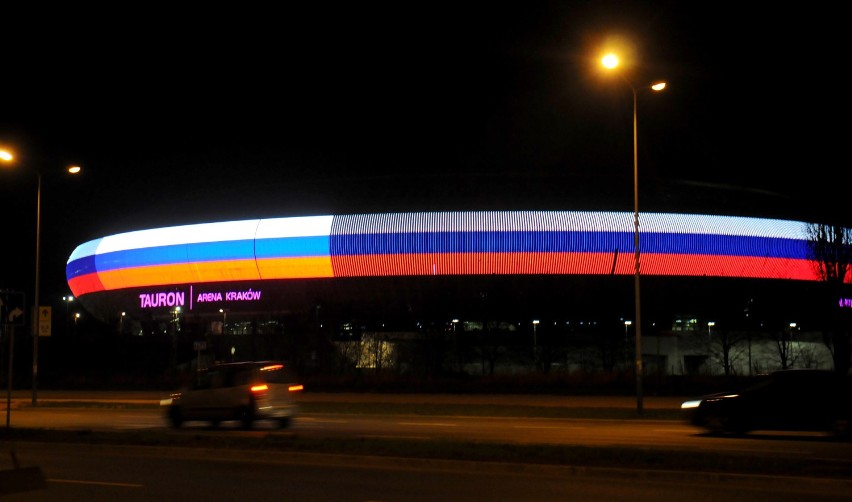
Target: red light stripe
[[572, 264], [89, 283]]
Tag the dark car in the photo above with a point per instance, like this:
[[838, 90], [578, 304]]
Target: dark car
[[786, 400]]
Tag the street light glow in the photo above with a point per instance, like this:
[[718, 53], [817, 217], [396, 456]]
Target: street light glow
[[610, 61]]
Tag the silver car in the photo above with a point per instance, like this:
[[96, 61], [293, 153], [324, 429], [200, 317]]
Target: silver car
[[243, 391]]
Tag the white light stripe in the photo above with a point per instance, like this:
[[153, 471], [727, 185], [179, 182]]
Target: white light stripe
[[308, 226], [184, 234], [476, 221], [578, 221]]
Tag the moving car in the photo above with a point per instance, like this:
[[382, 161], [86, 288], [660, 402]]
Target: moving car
[[244, 391], [786, 400]]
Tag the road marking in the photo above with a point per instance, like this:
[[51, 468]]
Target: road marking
[[387, 436], [102, 483], [428, 424], [324, 421], [546, 427]]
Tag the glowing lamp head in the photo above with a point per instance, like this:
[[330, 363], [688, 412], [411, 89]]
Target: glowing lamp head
[[610, 61]]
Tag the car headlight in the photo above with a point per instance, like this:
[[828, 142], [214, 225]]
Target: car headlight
[[686, 405]]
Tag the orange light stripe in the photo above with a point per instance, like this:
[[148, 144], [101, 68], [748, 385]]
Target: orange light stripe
[[216, 271], [295, 268]]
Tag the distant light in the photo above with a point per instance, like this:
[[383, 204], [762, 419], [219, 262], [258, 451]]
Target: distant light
[[628, 323], [74, 169], [610, 61], [659, 86], [6, 156], [711, 323], [535, 321]]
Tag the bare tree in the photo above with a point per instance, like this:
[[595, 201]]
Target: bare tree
[[787, 353], [830, 248], [724, 348]]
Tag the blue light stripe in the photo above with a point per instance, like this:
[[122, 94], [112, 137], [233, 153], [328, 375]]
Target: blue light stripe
[[564, 242], [81, 266], [179, 253], [292, 247]]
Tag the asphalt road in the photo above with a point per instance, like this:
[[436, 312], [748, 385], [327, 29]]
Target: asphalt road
[[108, 472], [498, 419]]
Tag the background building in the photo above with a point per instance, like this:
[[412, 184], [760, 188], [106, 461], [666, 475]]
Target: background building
[[473, 292]]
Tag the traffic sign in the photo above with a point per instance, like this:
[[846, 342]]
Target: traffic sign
[[12, 308], [44, 318]]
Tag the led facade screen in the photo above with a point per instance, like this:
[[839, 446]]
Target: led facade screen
[[443, 243]]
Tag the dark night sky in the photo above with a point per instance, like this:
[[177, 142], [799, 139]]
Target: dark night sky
[[185, 116]]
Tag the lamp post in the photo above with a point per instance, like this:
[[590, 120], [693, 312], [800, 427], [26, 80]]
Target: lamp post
[[535, 342], [611, 61], [36, 325], [7, 156], [459, 362], [67, 301]]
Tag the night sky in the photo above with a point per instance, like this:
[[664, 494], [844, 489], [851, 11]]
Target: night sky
[[182, 115]]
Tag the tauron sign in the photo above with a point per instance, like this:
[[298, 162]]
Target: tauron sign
[[178, 298]]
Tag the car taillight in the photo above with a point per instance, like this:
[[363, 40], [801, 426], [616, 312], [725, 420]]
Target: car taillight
[[295, 388], [256, 389]]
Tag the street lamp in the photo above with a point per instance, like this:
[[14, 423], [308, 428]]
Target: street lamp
[[459, 362], [611, 61], [7, 156], [67, 301], [535, 342]]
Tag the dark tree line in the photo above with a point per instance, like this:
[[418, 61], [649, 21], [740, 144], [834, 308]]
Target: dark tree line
[[830, 247]]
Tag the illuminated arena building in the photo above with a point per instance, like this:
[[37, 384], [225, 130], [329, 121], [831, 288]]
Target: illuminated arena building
[[540, 279]]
